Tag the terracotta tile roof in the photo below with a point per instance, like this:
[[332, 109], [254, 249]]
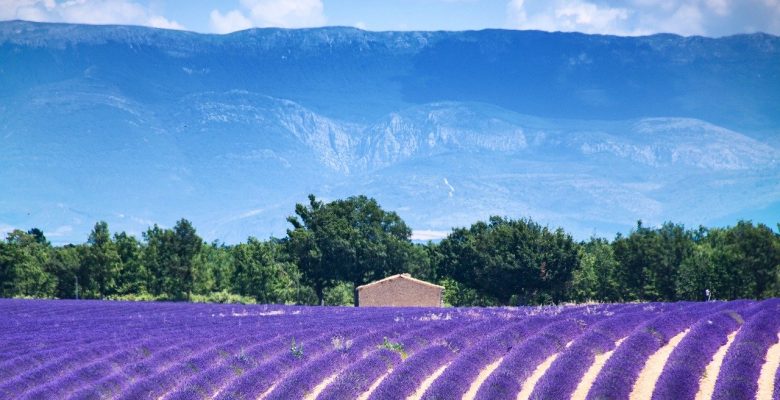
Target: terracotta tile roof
[[400, 276]]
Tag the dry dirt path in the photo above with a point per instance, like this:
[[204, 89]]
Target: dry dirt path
[[581, 392], [645, 383], [374, 385], [766, 379], [427, 383], [471, 394], [707, 382], [320, 387], [530, 383]]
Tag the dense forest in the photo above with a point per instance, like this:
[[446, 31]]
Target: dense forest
[[330, 248]]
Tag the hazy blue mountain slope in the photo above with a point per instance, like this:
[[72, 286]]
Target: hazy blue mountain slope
[[137, 126], [346, 72]]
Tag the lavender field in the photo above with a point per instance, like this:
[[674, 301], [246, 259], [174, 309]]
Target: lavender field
[[117, 350]]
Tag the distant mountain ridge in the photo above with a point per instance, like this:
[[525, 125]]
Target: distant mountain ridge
[[561, 75], [137, 125]]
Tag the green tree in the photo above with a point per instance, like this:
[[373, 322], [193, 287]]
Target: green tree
[[64, 264], [340, 294], [697, 274], [132, 274], [158, 256], [352, 240], [676, 244], [747, 260], [23, 259], [511, 261], [260, 272], [186, 246], [172, 260], [650, 260], [596, 276], [215, 263], [100, 264], [423, 262]]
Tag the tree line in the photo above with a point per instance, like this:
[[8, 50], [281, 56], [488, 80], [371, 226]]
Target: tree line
[[331, 248]]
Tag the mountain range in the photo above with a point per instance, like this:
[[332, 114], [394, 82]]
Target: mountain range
[[591, 133]]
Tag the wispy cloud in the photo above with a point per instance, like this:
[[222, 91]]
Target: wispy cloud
[[269, 13], [60, 231], [450, 188], [425, 235], [641, 17], [85, 11], [251, 213], [143, 221], [5, 229]]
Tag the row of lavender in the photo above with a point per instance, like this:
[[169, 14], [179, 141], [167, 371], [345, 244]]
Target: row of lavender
[[92, 349]]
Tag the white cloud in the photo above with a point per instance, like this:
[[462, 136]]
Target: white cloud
[[686, 20], [720, 7], [286, 13], [230, 22], [157, 21], [641, 17], [85, 11], [425, 235], [270, 13], [569, 16], [5, 229], [590, 16]]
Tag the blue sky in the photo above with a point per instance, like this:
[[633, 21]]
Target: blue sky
[[627, 17]]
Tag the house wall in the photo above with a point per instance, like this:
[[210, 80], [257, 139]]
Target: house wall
[[399, 293]]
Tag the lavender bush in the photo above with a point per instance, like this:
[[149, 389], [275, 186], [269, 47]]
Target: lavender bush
[[506, 381], [622, 369], [738, 378], [175, 351], [685, 366], [357, 378], [564, 374], [457, 378]]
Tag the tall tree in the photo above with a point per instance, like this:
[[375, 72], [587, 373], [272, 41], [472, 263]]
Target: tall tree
[[132, 274], [171, 260], [697, 274], [676, 244], [23, 258], [351, 240], [596, 277], [216, 268], [157, 258], [650, 261], [186, 246], [100, 264], [64, 264], [747, 261], [261, 273], [511, 261]]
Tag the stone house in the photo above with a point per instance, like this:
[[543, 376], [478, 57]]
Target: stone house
[[399, 291]]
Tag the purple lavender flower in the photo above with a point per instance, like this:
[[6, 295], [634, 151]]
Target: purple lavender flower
[[682, 372], [561, 379], [506, 381], [738, 377], [192, 351]]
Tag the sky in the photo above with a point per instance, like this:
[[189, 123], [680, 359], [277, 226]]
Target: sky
[[712, 18]]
